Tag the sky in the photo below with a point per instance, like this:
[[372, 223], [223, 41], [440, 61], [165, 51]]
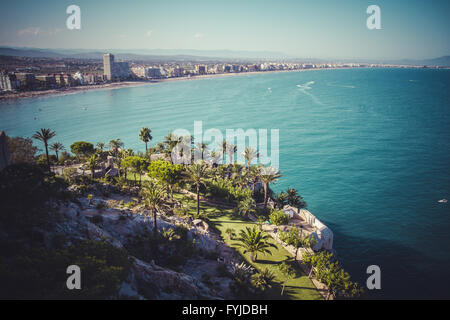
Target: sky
[[410, 29]]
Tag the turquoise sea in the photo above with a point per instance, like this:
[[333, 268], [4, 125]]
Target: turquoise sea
[[367, 149]]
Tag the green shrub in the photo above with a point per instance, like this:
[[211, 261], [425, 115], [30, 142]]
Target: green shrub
[[278, 217], [41, 274]]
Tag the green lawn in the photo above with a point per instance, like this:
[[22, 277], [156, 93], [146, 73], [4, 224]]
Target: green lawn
[[299, 288], [130, 177]]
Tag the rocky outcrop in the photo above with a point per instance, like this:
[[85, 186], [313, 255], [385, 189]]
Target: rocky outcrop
[[146, 279]]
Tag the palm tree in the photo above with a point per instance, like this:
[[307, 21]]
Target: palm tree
[[250, 154], [92, 163], [230, 232], [294, 199], [263, 280], [267, 176], [254, 173], [101, 146], [202, 150], [224, 150], [57, 147], [231, 150], [153, 196], [197, 173], [246, 206], [145, 136], [260, 222], [254, 242], [44, 135], [115, 145], [280, 200]]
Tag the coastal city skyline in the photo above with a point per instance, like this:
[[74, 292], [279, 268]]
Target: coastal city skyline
[[409, 29]]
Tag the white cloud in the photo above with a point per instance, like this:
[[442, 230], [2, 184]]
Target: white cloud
[[149, 33], [30, 30], [198, 35]]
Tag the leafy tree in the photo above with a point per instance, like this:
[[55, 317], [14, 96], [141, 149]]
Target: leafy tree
[[278, 217], [167, 173], [197, 174], [268, 175], [57, 147], [254, 242], [21, 150], [136, 164], [288, 272], [82, 149], [145, 136], [153, 196], [293, 237], [44, 136], [328, 271]]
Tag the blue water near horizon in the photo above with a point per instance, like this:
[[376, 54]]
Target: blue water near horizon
[[366, 148]]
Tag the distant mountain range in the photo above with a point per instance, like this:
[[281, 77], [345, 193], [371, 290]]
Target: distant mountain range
[[156, 55]]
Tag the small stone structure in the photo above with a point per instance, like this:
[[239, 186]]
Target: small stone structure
[[5, 159], [309, 223]]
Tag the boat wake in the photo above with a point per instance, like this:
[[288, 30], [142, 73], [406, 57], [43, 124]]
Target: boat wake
[[330, 84], [304, 89]]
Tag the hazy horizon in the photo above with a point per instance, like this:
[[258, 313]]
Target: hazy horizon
[[302, 29]]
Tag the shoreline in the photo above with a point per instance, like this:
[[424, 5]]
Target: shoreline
[[117, 85]]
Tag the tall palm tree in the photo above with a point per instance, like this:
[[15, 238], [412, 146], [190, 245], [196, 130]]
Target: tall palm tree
[[250, 154], [268, 175], [92, 164], [44, 135], [153, 196], [201, 149], [57, 147], [197, 173], [115, 145], [224, 150], [254, 173], [231, 150], [145, 136], [101, 146], [254, 242]]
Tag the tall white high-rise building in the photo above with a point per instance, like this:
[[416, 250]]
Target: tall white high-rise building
[[108, 66]]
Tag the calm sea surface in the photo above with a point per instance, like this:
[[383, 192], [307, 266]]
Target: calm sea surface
[[368, 150]]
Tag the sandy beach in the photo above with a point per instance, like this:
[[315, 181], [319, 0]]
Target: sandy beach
[[118, 85]]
